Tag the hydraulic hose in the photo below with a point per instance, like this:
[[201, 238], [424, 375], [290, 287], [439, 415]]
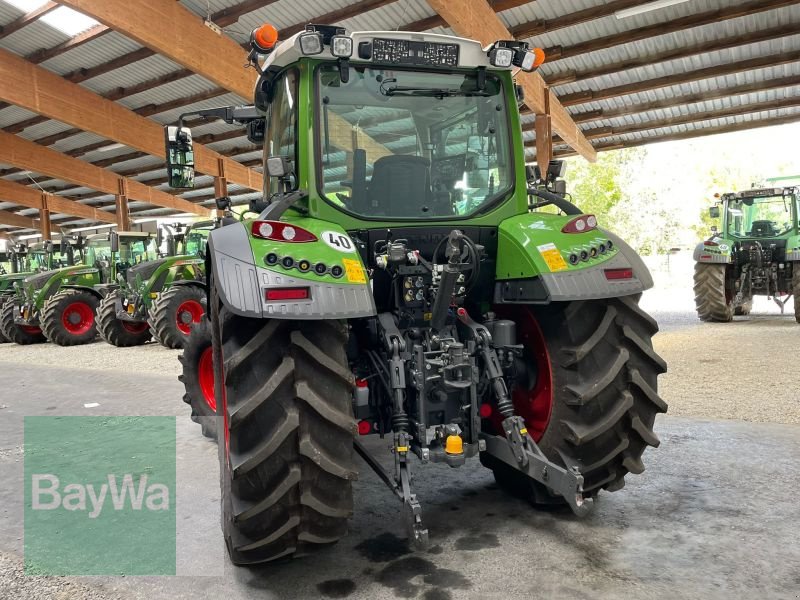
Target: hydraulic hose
[[556, 200]]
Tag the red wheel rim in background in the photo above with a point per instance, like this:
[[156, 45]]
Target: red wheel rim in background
[[535, 405], [132, 327], [77, 318], [194, 310], [205, 377]]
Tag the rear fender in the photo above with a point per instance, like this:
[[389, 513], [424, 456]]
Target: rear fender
[[714, 250], [83, 288], [536, 262], [242, 276]]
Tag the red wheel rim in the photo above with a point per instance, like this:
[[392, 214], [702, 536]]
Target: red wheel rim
[[188, 313], [534, 405], [77, 318], [30, 329], [132, 327], [205, 377]]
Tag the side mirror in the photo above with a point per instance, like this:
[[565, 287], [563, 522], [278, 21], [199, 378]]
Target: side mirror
[[223, 204], [48, 246], [180, 157], [114, 241], [256, 131], [64, 246], [279, 166], [714, 212]]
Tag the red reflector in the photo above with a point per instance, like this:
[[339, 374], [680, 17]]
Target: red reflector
[[614, 274], [364, 427], [485, 411], [704, 256], [277, 294]]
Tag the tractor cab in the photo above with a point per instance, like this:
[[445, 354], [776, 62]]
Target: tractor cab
[[114, 253], [188, 240], [760, 213]]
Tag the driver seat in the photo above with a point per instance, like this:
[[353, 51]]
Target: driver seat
[[400, 186], [763, 229]]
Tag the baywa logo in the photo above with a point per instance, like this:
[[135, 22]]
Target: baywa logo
[[77, 497], [100, 495]]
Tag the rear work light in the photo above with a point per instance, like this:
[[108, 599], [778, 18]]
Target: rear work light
[[580, 224], [281, 232], [617, 274], [282, 294]]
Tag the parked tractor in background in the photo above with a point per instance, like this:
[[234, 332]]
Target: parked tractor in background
[[62, 303], [24, 260], [161, 298], [401, 281], [756, 253]]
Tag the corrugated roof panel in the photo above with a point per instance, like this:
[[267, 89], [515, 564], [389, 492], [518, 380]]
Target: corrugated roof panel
[[14, 114], [389, 17], [31, 38], [147, 69], [188, 86], [106, 47]]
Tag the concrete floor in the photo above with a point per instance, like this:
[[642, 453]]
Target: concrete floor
[[714, 515]]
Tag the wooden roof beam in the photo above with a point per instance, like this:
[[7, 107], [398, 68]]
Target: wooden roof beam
[[196, 47], [27, 19], [677, 53], [642, 33], [686, 135], [475, 19], [39, 90], [437, 20], [22, 153], [761, 62], [31, 198], [15, 220]]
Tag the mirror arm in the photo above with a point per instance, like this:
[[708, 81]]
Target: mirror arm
[[276, 208]]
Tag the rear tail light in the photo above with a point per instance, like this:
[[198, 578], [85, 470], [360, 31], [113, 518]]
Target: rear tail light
[[710, 243], [580, 224], [281, 294], [617, 274], [281, 232]]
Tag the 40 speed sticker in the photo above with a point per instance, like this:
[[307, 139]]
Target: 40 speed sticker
[[339, 241]]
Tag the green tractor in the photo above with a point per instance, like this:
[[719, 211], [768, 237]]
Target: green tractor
[[403, 280], [60, 305], [162, 298], [757, 253], [23, 260]]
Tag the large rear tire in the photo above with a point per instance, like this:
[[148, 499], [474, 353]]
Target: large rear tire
[[18, 334], [68, 317], [286, 459], [3, 300], [796, 290], [117, 332], [602, 379], [174, 312], [712, 301], [198, 378]]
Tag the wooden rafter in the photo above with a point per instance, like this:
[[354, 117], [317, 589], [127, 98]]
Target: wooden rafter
[[39, 90], [27, 19], [475, 19], [641, 33], [686, 135], [31, 198], [15, 220], [750, 64], [22, 153], [677, 53]]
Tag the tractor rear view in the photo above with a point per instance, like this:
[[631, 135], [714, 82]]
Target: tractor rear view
[[161, 298], [757, 253], [61, 304], [402, 280]]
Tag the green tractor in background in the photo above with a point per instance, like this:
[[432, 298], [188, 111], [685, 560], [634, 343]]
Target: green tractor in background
[[403, 280], [61, 304], [23, 260], [757, 253], [162, 298]]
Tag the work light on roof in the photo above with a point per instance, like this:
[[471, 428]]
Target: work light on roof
[[505, 53], [501, 57], [342, 46], [311, 43]]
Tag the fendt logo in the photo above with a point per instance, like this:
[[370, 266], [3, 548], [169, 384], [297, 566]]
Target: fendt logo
[[125, 495]]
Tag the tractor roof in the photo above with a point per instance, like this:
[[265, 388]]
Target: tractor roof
[[470, 52], [761, 193]]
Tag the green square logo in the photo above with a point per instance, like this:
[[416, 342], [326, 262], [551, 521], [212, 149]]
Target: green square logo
[[100, 495]]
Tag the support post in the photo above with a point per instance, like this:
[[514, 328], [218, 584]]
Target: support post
[[220, 181], [123, 215], [544, 138]]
